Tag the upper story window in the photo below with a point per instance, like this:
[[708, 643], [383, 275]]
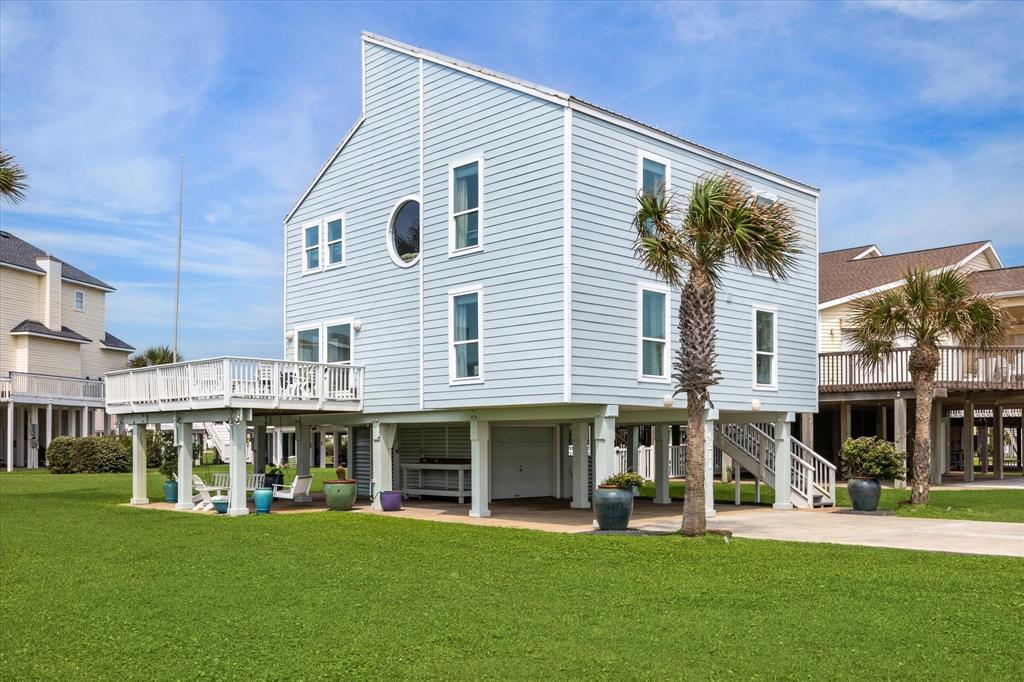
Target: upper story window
[[311, 245], [466, 334], [335, 240], [339, 342], [653, 330], [307, 348], [765, 353], [465, 223], [404, 232], [79, 300], [654, 174]]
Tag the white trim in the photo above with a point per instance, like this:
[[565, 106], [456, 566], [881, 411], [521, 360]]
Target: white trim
[[395, 258], [817, 317], [74, 298], [304, 251], [868, 252], [754, 309], [319, 341], [325, 253], [478, 159], [119, 350], [422, 263], [362, 73], [477, 289], [51, 336], [567, 254], [337, 322], [642, 154], [327, 164], [664, 378], [87, 285]]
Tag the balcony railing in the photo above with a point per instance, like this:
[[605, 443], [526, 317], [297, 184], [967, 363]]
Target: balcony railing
[[236, 382], [28, 386], [959, 368]]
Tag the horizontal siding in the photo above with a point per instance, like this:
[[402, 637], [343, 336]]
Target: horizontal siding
[[378, 166], [520, 138], [605, 274]]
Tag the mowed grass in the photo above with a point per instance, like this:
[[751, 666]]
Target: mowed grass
[[90, 589], [970, 505]]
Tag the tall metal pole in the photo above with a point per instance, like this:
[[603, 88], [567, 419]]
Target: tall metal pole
[[177, 272]]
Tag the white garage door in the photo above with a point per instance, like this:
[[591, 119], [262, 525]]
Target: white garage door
[[521, 461]]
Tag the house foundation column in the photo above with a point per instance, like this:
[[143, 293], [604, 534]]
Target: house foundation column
[[936, 437], [997, 441], [580, 474], [603, 447], [278, 445], [899, 433], [383, 440], [9, 436], [480, 472], [783, 477], [983, 445], [236, 468], [139, 464], [883, 422], [83, 414], [183, 442], [711, 419], [259, 448], [303, 454], [32, 454], [807, 429], [845, 423], [49, 426], [967, 441], [350, 453], [661, 491]]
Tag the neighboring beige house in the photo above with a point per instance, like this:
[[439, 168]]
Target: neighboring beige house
[[54, 351], [856, 400]]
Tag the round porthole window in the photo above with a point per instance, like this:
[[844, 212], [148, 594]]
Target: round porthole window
[[404, 232]]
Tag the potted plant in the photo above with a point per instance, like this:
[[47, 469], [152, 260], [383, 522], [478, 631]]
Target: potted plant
[[275, 476], [613, 500], [340, 494], [168, 467], [867, 460]]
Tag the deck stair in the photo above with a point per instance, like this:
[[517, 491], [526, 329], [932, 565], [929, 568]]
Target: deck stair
[[220, 438]]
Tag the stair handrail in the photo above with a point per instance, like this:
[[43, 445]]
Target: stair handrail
[[801, 477], [824, 470]]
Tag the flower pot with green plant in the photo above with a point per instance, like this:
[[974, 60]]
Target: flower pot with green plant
[[867, 460], [274, 476], [613, 500]]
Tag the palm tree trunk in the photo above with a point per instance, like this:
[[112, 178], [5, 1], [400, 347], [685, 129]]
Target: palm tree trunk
[[923, 363], [695, 521]]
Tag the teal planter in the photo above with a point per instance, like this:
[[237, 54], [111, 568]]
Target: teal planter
[[612, 508], [263, 497], [864, 493], [340, 495], [170, 491], [220, 503]]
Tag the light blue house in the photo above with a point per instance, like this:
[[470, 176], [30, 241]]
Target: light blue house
[[462, 297]]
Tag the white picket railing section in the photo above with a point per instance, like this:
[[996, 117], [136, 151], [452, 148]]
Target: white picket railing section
[[5, 390], [234, 381], [47, 386]]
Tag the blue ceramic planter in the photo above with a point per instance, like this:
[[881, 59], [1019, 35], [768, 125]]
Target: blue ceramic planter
[[220, 503], [864, 493], [263, 497], [612, 508], [170, 491]]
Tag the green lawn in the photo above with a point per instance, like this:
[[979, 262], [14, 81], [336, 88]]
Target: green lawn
[[91, 589], [971, 505]]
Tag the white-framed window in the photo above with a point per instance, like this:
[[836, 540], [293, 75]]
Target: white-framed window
[[465, 335], [766, 335], [403, 234], [763, 198], [465, 205], [652, 302], [338, 341], [334, 240], [307, 344], [311, 247], [653, 174], [79, 300]]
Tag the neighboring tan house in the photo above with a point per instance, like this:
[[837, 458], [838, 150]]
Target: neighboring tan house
[[462, 296], [856, 400], [54, 351]]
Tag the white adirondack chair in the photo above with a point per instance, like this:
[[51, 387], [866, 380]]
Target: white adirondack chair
[[204, 489], [299, 487]]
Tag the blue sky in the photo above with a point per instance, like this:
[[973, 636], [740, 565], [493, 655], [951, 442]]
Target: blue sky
[[908, 116]]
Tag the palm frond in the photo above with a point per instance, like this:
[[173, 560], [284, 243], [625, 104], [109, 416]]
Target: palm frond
[[13, 180]]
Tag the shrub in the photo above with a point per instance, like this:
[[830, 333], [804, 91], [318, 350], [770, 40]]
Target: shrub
[[58, 455], [628, 480], [84, 454], [870, 457], [169, 466], [111, 455]]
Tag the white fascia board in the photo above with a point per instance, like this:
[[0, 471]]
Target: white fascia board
[[866, 252], [323, 169], [79, 283], [987, 246]]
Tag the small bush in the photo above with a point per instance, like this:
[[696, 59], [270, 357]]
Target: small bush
[[111, 455], [870, 457], [628, 480], [169, 467], [58, 455]]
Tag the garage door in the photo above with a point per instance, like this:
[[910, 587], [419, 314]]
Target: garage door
[[521, 461]]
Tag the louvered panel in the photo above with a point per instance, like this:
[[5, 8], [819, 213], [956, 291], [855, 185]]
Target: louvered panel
[[363, 456], [435, 442], [458, 441]]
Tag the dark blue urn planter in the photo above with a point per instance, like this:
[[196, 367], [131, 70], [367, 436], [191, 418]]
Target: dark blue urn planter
[[612, 507], [864, 493]]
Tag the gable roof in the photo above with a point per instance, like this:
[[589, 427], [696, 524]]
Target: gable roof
[[19, 253], [556, 97], [113, 343], [840, 276], [36, 328], [1000, 281]]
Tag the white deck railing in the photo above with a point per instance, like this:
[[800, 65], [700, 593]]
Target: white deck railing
[[49, 387], [236, 382]]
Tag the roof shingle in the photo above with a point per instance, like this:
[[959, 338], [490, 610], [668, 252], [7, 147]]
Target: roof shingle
[[999, 281], [18, 252], [111, 341], [35, 327]]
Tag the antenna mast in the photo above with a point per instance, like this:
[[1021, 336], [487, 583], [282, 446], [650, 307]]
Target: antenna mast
[[177, 272]]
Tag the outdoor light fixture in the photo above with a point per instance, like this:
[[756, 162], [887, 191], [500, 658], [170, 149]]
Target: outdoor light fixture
[[290, 334], [357, 325], [668, 400], [755, 405]]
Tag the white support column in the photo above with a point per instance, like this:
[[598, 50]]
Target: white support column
[[603, 447], [259, 449], [997, 441], [32, 453], [383, 467], [49, 425], [139, 464], [726, 468], [303, 436], [336, 446], [709, 462], [480, 474], [9, 448], [736, 469], [633, 448], [183, 442], [72, 423], [236, 468], [19, 428], [278, 445], [783, 482], [967, 441], [899, 433], [807, 429], [661, 491], [84, 416], [350, 453], [580, 484]]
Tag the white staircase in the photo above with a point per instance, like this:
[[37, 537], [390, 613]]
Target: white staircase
[[752, 446], [220, 438]]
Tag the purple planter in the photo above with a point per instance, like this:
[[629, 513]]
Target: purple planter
[[391, 500]]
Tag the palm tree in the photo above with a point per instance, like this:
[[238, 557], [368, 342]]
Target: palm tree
[[13, 180], [154, 355], [928, 309], [723, 222]]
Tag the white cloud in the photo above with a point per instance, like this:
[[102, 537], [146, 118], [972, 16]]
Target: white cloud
[[930, 10]]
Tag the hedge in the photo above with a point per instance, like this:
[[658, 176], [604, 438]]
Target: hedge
[[89, 455]]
